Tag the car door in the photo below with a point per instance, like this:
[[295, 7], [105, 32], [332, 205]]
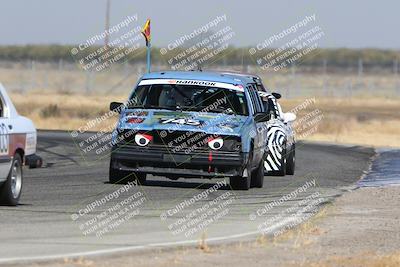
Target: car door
[[261, 133]]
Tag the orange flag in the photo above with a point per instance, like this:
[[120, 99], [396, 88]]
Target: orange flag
[[146, 32]]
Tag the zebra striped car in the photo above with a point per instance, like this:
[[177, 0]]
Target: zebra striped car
[[280, 157]]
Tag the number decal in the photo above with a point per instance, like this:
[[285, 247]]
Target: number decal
[[181, 121]]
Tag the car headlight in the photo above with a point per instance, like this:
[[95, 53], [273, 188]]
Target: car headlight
[[216, 143], [30, 143], [143, 139]]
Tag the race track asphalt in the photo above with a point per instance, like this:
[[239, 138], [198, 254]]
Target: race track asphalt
[[43, 226]]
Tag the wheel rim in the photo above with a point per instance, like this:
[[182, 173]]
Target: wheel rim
[[16, 179]]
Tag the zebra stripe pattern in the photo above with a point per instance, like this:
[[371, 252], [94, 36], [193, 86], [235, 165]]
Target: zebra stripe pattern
[[276, 138]]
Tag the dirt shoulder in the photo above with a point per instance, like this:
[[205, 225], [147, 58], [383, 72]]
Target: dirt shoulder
[[361, 228]]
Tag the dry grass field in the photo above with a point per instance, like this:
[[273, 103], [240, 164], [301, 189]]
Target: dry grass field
[[363, 121], [352, 108]]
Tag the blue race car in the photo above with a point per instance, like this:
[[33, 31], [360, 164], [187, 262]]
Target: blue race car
[[191, 124]]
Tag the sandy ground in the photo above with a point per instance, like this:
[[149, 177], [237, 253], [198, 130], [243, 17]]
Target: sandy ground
[[361, 228]]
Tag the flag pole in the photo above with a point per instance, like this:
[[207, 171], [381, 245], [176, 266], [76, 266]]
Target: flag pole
[[148, 57]]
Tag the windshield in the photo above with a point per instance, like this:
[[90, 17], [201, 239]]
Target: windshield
[[191, 98]]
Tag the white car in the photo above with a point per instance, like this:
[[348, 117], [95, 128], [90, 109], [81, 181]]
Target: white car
[[17, 147]]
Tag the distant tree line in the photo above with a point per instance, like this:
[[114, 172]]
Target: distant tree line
[[231, 56]]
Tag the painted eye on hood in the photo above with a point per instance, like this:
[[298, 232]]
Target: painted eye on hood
[[216, 143], [143, 139]]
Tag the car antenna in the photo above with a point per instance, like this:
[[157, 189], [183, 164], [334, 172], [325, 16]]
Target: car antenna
[[199, 64]]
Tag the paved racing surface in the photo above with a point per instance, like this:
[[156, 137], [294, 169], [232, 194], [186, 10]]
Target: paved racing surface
[[385, 170], [54, 218]]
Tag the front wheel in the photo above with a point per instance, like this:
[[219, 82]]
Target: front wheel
[[257, 177], [239, 183], [10, 191]]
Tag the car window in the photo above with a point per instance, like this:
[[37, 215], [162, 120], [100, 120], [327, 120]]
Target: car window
[[255, 99], [258, 98], [190, 98], [265, 105], [260, 87], [253, 102]]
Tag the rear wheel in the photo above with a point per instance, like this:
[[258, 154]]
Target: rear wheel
[[291, 160], [10, 191], [257, 177]]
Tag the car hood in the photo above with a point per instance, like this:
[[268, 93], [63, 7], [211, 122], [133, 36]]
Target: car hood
[[210, 123]]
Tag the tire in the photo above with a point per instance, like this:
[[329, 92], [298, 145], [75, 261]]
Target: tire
[[291, 160], [282, 161], [10, 191], [140, 177], [257, 177], [122, 177], [240, 183]]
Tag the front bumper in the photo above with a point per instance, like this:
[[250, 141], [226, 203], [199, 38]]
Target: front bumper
[[161, 161]]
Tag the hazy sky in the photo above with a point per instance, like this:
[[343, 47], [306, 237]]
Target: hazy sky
[[346, 23]]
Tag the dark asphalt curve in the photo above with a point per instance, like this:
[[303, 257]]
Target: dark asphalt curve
[[56, 217]]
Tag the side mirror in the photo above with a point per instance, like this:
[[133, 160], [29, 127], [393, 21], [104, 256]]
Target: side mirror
[[262, 117], [288, 117], [116, 106], [277, 95]]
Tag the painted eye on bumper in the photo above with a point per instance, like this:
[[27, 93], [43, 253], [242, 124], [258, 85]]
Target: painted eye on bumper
[[143, 139], [216, 143]]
